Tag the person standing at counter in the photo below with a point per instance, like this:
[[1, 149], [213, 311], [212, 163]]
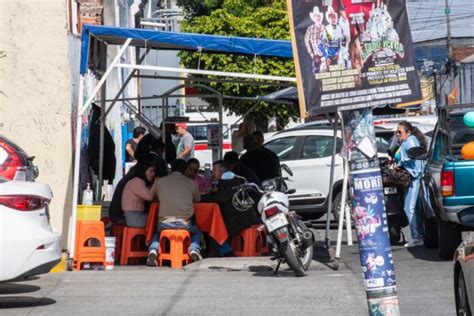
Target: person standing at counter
[[132, 143]]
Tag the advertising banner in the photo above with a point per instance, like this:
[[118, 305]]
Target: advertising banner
[[371, 226], [352, 54]]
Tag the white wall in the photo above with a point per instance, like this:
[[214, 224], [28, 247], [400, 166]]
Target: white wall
[[35, 93]]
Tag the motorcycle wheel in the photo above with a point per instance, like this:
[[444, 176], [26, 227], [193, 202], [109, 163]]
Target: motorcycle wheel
[[307, 257], [288, 252]]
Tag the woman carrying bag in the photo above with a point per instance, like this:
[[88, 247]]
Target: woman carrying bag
[[410, 136]]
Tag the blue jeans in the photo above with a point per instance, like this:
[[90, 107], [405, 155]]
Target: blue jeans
[[413, 215], [222, 250], [191, 228]]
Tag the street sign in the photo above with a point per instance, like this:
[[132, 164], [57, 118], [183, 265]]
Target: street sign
[[213, 136], [352, 54]]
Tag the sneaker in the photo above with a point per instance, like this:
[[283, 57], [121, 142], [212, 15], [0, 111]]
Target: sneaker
[[195, 255], [151, 261], [415, 243]]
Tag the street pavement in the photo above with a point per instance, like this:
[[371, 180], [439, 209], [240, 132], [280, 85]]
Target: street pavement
[[234, 286]]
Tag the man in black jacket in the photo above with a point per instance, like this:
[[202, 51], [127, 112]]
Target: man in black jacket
[[234, 164], [235, 221], [263, 162]]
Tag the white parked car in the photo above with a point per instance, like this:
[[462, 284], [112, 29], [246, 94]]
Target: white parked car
[[307, 150], [28, 245]]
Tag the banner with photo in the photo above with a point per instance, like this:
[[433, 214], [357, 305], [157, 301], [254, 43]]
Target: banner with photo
[[351, 54]]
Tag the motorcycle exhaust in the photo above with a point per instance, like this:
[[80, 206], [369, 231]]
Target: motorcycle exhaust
[[307, 238]]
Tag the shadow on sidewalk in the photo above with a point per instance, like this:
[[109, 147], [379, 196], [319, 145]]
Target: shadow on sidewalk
[[24, 301], [13, 288], [425, 254]]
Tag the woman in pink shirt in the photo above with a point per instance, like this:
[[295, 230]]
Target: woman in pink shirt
[[137, 191], [192, 171]]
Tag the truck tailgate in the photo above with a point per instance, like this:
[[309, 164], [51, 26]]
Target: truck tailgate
[[464, 181]]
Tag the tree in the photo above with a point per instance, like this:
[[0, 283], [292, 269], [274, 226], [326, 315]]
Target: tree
[[193, 8], [244, 18]]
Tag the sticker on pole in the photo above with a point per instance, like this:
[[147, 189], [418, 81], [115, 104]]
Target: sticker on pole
[[351, 54]]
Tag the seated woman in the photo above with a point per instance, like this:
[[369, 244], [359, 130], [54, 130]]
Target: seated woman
[[203, 185], [137, 191]]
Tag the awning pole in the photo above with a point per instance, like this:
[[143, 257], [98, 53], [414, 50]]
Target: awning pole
[[101, 141], [221, 135], [124, 86], [208, 72], [342, 214], [331, 182], [105, 76], [77, 166]]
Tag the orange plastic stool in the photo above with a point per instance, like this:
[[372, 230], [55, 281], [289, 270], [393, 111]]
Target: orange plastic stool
[[174, 247], [250, 242], [130, 243], [117, 231], [90, 243]]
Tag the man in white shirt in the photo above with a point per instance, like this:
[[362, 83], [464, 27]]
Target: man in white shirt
[[185, 149]]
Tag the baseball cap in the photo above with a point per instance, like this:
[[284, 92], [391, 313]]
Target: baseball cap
[[183, 125]]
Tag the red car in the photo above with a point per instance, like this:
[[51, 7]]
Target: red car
[[15, 163]]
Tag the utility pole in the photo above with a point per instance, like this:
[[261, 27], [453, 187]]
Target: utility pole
[[368, 208], [447, 11]]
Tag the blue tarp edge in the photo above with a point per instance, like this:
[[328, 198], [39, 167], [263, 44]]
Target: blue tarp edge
[[188, 41]]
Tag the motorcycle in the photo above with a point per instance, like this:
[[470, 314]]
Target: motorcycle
[[394, 199], [288, 237]]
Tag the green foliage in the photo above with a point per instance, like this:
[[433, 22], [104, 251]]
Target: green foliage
[[194, 8], [244, 18]]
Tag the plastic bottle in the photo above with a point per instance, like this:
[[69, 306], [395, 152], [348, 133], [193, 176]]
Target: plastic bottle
[[88, 196]]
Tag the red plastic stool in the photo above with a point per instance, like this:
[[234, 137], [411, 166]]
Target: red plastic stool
[[133, 244], [117, 231], [90, 243], [174, 247], [250, 242]]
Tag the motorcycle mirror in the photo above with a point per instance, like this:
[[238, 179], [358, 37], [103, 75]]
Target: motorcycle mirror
[[287, 169], [290, 191], [418, 153], [229, 175]]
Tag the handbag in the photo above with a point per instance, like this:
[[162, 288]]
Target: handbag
[[397, 176]]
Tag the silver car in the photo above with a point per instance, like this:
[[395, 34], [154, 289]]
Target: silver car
[[464, 276]]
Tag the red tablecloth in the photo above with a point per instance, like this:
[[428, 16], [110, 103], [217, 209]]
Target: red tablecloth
[[208, 219]]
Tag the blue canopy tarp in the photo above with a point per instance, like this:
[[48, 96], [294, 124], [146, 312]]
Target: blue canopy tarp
[[178, 41]]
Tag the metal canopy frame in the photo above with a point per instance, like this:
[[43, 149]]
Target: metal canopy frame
[[135, 73]]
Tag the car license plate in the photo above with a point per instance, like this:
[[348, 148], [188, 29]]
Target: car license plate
[[390, 190], [275, 222]]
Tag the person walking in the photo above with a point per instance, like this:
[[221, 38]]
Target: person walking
[[132, 143], [185, 148], [410, 136]]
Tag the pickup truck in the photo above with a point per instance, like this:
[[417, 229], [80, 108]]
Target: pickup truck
[[447, 190]]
